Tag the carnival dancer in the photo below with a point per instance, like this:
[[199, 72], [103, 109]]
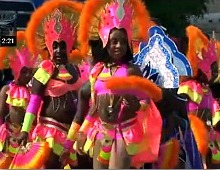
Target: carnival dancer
[[114, 131], [53, 28], [94, 56], [202, 107], [14, 97]]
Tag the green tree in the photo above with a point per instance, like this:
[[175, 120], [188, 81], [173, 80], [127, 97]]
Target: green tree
[[173, 14]]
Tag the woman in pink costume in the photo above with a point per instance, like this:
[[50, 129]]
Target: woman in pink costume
[[203, 108], [15, 96], [112, 127], [53, 29]]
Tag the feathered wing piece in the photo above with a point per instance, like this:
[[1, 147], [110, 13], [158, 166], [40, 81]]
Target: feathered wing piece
[[55, 20], [99, 17], [33, 156], [201, 51], [134, 85], [200, 132], [18, 56]]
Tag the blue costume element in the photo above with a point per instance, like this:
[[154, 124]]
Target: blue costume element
[[160, 61]]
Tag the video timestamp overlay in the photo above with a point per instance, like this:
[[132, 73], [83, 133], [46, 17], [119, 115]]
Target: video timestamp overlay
[[8, 22]]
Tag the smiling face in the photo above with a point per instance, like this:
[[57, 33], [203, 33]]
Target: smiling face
[[59, 52], [117, 44]]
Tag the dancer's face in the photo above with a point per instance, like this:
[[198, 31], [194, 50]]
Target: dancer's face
[[117, 45], [25, 75], [59, 52]]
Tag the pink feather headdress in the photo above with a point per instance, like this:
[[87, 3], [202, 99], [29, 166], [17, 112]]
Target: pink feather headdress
[[117, 14], [98, 17], [19, 56], [201, 51], [209, 57]]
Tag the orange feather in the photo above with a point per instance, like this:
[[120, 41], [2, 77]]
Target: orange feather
[[197, 42], [200, 132], [135, 83], [6, 51]]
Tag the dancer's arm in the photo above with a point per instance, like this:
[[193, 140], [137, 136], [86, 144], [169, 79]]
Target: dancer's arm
[[33, 105], [40, 79], [3, 105], [83, 106]]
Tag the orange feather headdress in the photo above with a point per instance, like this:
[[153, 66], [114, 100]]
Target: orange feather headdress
[[55, 20], [98, 17]]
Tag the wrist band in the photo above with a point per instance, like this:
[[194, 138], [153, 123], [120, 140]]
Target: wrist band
[[74, 128], [28, 121], [88, 122]]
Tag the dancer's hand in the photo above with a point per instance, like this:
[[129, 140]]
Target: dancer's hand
[[80, 141], [64, 157], [22, 138]]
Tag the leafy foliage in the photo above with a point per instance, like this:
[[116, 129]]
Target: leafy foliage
[[173, 14]]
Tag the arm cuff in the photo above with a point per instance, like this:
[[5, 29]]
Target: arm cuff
[[28, 121]]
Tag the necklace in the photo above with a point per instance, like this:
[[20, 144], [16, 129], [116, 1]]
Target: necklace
[[110, 107]]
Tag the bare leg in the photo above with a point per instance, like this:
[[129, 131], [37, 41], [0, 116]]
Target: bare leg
[[119, 158], [96, 163]]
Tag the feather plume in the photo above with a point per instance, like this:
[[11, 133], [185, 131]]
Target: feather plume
[[197, 42], [31, 157], [200, 132], [134, 85]]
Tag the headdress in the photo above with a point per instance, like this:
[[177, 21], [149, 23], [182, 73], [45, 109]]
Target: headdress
[[55, 20], [98, 17], [18, 56], [160, 60], [201, 51]]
